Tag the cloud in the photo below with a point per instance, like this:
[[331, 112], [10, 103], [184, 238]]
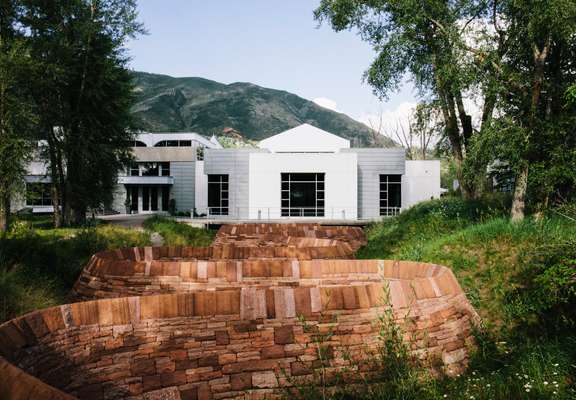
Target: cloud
[[326, 103], [388, 121]]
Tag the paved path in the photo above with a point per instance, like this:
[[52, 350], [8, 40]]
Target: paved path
[[125, 220]]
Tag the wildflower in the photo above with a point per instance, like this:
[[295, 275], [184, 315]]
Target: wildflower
[[487, 385], [445, 395], [545, 383], [525, 376], [556, 365]]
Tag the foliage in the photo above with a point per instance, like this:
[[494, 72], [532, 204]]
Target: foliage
[[178, 234], [38, 267], [426, 221], [521, 279], [16, 112], [83, 94], [425, 40]]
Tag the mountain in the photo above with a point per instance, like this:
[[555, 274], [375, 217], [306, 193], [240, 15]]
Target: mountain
[[167, 104]]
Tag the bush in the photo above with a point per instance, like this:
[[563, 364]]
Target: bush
[[178, 234]]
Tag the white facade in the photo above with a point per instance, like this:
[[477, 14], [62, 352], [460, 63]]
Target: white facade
[[302, 173], [340, 182], [421, 182]]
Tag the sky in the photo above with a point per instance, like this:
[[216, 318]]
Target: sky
[[271, 43]]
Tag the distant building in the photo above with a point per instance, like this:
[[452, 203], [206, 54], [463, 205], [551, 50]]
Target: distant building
[[304, 172]]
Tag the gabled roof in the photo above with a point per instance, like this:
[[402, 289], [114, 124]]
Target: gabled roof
[[305, 138]]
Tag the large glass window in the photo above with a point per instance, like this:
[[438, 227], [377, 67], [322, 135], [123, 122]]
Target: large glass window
[[218, 194], [38, 194], [302, 194], [390, 194]]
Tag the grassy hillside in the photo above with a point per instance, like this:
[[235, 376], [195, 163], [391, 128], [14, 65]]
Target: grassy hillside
[[167, 104], [522, 280], [39, 264]]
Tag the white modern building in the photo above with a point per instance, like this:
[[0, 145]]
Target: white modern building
[[302, 173]]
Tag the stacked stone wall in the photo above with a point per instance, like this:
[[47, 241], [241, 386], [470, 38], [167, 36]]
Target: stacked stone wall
[[231, 326]]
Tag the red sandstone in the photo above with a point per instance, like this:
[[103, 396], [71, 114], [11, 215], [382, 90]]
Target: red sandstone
[[230, 326]]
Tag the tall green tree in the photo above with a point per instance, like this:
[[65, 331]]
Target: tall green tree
[[422, 38], [534, 130], [85, 95], [16, 109]]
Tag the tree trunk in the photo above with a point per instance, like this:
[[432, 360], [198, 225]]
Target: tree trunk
[[518, 203], [4, 213], [56, 180]]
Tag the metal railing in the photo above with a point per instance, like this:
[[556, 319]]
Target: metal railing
[[281, 213]]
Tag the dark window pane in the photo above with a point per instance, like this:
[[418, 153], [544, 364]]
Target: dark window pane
[[185, 143], [154, 198], [133, 198], [395, 178], [145, 198], [165, 198], [395, 196]]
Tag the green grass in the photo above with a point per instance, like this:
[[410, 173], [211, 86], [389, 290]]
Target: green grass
[[520, 277], [38, 266], [178, 234]]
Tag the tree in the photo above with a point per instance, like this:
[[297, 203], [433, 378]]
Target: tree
[[417, 133], [16, 110], [85, 95], [534, 127], [423, 38]]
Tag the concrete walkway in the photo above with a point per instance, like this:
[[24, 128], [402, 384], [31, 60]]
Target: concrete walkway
[[125, 220]]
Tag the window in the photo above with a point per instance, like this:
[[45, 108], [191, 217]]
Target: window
[[218, 194], [150, 169], [38, 194], [174, 143], [134, 170], [165, 198], [165, 169], [390, 194], [200, 153], [302, 194]]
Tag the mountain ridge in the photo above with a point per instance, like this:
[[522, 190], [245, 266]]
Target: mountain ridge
[[177, 104]]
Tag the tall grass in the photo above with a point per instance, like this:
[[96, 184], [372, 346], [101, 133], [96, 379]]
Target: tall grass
[[520, 277], [178, 234], [38, 267]]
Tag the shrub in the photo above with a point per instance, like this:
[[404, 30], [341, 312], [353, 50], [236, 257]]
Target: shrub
[[178, 234]]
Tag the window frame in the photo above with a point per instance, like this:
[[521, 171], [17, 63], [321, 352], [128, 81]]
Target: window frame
[[222, 181], [386, 182], [287, 179]]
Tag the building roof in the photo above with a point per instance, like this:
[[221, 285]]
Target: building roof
[[305, 138], [151, 139]]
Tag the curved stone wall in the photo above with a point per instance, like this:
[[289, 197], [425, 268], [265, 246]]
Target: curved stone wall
[[266, 234], [222, 342], [238, 320]]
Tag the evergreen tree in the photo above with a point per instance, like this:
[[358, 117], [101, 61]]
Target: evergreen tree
[[16, 109], [85, 95]]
